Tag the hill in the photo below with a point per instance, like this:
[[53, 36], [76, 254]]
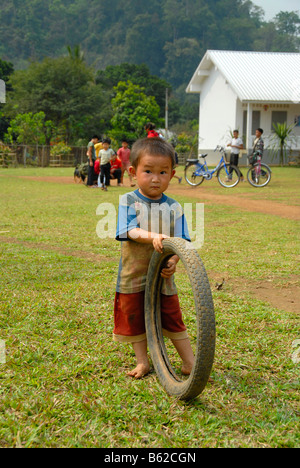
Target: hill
[[170, 36]]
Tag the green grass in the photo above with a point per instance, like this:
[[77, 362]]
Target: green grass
[[64, 383]]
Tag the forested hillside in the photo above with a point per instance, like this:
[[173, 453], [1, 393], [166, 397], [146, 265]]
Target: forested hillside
[[170, 36]]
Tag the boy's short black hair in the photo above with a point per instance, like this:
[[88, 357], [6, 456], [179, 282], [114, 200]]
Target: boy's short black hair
[[107, 140], [260, 130], [152, 147], [236, 131], [95, 137]]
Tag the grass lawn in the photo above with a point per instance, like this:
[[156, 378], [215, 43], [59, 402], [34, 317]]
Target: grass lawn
[[64, 382]]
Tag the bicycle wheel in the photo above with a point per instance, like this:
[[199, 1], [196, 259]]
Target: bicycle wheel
[[190, 174], [228, 176], [259, 175], [205, 320]]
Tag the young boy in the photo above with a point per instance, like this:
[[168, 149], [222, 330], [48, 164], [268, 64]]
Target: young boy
[[116, 169], [236, 146], [146, 217], [105, 156], [124, 155]]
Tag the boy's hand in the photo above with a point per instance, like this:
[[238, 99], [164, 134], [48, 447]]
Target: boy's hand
[[157, 243], [170, 268]]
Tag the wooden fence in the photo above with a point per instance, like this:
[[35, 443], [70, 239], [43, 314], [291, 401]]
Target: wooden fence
[[39, 156]]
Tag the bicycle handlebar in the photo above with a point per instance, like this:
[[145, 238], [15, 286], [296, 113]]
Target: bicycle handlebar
[[219, 148]]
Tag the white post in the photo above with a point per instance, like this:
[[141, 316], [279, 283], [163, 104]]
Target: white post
[[2, 92], [249, 126]]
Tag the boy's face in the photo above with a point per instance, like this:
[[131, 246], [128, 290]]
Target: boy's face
[[125, 144], [235, 135], [105, 146], [153, 175]]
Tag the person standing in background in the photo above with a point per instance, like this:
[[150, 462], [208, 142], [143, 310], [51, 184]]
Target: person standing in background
[[105, 156], [236, 146], [124, 155], [91, 154], [150, 130]]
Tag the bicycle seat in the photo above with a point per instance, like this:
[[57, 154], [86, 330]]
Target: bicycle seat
[[192, 161], [203, 155]]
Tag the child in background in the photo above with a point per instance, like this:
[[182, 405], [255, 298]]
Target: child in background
[[150, 129], [105, 156], [141, 233], [116, 169], [124, 155]]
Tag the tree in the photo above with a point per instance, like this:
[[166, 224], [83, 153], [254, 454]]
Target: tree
[[288, 27], [282, 140], [132, 110], [139, 75], [182, 57], [29, 129], [65, 90], [6, 69]]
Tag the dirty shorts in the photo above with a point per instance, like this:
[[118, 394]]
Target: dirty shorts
[[130, 318]]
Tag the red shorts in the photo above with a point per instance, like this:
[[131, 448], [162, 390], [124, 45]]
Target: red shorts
[[130, 318]]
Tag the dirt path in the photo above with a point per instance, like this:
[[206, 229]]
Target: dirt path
[[280, 293], [206, 196], [246, 204]]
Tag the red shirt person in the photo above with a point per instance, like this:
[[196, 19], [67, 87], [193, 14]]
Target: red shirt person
[[150, 129], [116, 169], [124, 155]]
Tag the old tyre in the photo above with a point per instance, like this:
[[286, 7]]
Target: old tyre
[[205, 319]]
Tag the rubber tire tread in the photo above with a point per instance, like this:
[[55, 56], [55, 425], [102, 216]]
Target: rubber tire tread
[[205, 318]]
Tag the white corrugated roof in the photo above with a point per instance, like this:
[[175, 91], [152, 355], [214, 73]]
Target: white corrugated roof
[[2, 91], [254, 76]]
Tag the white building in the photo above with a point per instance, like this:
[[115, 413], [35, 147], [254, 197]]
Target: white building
[[2, 91], [244, 91]]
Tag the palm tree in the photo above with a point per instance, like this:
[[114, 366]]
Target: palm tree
[[282, 140], [76, 54]]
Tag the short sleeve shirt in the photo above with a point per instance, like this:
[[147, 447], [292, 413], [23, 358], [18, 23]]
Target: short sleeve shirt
[[105, 156], [163, 216], [124, 155], [91, 145], [236, 142]]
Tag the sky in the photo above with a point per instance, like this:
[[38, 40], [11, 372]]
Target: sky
[[272, 7]]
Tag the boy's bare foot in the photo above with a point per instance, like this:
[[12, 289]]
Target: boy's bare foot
[[140, 371]]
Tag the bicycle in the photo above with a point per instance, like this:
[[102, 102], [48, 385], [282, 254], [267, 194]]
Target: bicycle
[[195, 172], [259, 174]]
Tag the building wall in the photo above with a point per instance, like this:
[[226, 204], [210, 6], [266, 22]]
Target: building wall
[[217, 114], [221, 112], [266, 111]]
